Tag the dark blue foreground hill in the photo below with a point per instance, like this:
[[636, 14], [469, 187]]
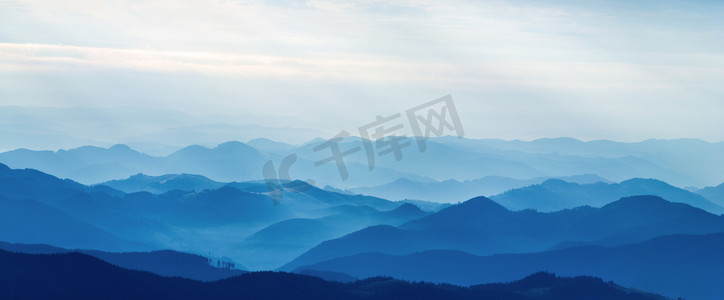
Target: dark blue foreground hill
[[163, 262], [79, 276], [689, 266]]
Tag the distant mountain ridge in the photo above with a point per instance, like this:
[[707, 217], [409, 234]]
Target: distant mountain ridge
[[715, 194], [164, 183], [451, 191], [554, 194], [481, 226], [228, 161], [152, 131], [445, 158]]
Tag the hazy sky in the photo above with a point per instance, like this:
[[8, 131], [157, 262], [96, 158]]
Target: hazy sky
[[516, 69]]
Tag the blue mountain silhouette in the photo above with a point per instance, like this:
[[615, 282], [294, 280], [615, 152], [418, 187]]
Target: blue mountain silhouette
[[689, 266], [715, 194], [164, 262], [79, 276], [451, 191], [213, 220], [446, 158], [162, 184], [481, 226], [281, 242], [29, 221], [554, 194]]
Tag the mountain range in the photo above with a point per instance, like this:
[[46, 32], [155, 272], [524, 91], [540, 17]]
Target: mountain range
[[555, 194], [688, 266], [166, 263], [40, 208], [153, 131], [79, 276], [481, 226], [714, 194], [451, 191], [279, 243], [680, 162], [340, 235], [162, 184]]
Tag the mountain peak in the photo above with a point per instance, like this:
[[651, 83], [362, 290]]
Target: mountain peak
[[313, 141], [472, 210], [639, 202], [121, 147], [298, 185], [407, 208], [267, 144], [635, 181], [235, 146], [232, 144], [537, 280], [481, 203], [139, 176], [404, 180], [557, 182]]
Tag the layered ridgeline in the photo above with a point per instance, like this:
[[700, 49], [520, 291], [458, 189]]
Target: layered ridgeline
[[680, 162], [609, 242], [312, 228], [714, 194], [162, 184], [452, 190], [481, 226], [546, 194], [553, 195], [231, 161], [676, 266], [542, 194], [238, 220], [79, 276]]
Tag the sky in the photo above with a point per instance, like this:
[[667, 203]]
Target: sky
[[515, 69]]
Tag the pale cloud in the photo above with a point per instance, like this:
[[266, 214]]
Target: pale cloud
[[565, 68], [372, 69]]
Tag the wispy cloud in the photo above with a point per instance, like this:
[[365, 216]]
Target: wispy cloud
[[368, 68], [582, 62]]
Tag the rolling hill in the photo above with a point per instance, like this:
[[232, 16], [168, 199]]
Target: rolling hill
[[688, 266], [165, 262], [554, 194], [682, 162], [482, 227], [79, 276], [162, 184], [451, 191]]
